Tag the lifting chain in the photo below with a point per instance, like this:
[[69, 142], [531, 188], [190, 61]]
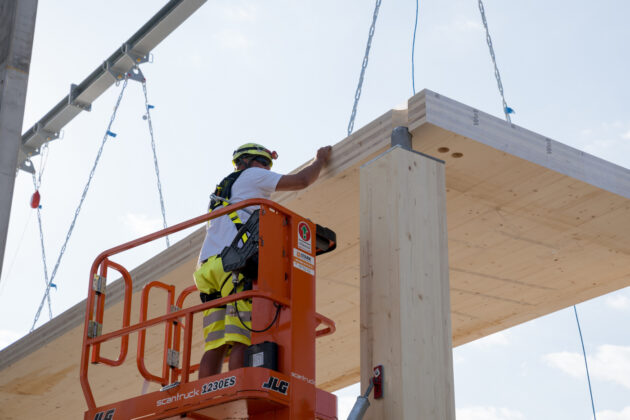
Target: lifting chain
[[357, 95], [506, 109], [155, 161], [108, 133]]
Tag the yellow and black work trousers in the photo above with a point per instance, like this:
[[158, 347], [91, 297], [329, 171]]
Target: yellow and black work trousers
[[221, 325]]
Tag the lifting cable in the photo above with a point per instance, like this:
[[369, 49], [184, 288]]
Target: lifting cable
[[588, 377], [41, 240], [357, 95], [108, 133], [37, 181], [7, 273], [155, 161], [506, 109], [413, 52]]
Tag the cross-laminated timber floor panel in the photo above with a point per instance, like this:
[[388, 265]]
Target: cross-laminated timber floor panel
[[533, 225]]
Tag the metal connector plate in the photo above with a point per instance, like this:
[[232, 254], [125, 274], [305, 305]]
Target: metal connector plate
[[99, 284], [95, 329], [172, 358]]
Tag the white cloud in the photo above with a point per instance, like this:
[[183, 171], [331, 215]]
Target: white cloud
[[609, 363], [600, 145], [613, 363], [618, 302], [488, 413], [612, 125], [141, 224], [248, 13], [7, 337], [614, 415], [459, 24], [608, 141], [499, 339], [468, 25], [232, 40], [570, 363]]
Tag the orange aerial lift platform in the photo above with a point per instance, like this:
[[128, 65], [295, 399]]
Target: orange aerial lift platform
[[279, 380]]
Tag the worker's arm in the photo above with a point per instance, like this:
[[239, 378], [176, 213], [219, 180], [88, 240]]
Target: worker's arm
[[307, 175]]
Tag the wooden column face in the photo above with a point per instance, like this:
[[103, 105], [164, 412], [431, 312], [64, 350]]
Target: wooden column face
[[405, 300], [17, 25]]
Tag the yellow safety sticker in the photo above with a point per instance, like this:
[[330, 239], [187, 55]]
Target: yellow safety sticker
[[303, 267]]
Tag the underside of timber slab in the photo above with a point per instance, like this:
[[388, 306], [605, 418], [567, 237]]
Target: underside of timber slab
[[534, 226]]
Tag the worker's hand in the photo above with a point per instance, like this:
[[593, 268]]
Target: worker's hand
[[323, 154]]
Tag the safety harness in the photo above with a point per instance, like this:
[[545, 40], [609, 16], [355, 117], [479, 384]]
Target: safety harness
[[224, 191], [242, 254]]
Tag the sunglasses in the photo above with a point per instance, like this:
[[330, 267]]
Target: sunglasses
[[262, 160]]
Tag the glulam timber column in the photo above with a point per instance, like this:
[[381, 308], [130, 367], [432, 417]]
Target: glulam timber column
[[17, 25], [405, 297]]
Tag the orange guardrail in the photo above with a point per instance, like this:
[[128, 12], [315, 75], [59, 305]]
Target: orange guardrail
[[177, 321]]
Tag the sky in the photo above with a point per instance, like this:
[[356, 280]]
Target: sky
[[284, 73]]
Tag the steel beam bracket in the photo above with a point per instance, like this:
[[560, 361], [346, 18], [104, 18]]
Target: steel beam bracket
[[72, 99], [27, 165], [133, 73], [47, 135], [401, 137], [118, 76], [135, 57], [29, 151], [136, 74]]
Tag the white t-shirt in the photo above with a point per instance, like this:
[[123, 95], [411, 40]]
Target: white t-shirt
[[252, 183]]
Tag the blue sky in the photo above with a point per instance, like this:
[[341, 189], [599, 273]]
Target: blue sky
[[284, 73]]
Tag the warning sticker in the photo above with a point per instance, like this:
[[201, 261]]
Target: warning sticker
[[303, 256], [303, 267], [304, 237]]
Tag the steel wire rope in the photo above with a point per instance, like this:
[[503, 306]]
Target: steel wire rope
[[357, 94], [588, 377], [8, 272], [413, 51], [155, 160], [83, 195], [36, 183], [506, 109]]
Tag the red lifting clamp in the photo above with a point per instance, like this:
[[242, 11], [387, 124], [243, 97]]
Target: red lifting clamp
[[377, 380], [35, 199]]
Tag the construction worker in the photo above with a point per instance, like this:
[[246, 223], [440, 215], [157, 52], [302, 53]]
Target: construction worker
[[225, 331]]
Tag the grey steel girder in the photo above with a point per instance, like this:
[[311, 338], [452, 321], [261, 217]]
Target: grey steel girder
[[132, 53]]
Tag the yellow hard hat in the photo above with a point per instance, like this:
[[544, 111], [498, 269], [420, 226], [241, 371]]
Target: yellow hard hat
[[254, 149]]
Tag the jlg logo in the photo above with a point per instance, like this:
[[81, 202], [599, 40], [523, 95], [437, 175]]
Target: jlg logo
[[277, 385], [105, 415]]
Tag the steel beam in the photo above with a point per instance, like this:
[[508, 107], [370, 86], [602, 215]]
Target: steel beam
[[134, 51]]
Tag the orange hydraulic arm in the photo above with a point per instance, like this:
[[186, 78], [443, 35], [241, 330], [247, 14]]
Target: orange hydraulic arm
[[283, 313]]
